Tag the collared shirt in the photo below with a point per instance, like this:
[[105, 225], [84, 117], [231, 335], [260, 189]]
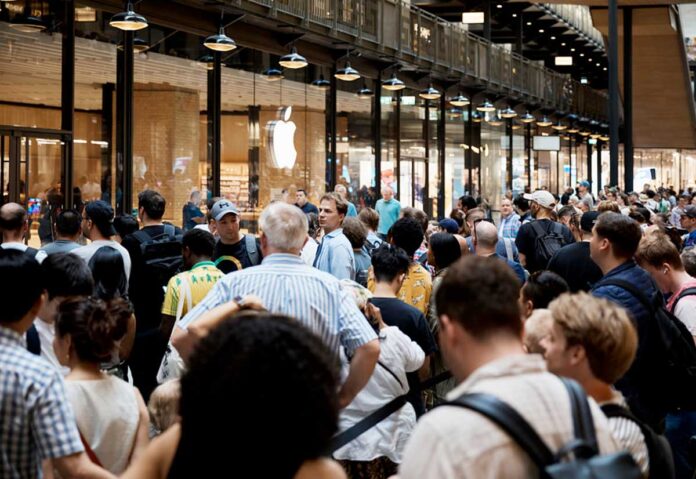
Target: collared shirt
[[286, 285], [457, 443], [388, 214], [335, 255], [509, 226], [36, 419], [416, 288]]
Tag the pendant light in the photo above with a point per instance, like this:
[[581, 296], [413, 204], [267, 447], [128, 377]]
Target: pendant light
[[430, 93], [321, 83], [573, 130], [544, 122], [364, 92], [293, 60], [584, 133], [486, 106], [455, 112], [604, 138], [273, 74], [220, 42], [559, 126], [516, 126], [476, 117], [25, 22], [527, 118], [347, 73], [508, 113], [594, 136], [129, 20], [139, 45], [208, 61], [494, 121], [393, 83], [459, 100]]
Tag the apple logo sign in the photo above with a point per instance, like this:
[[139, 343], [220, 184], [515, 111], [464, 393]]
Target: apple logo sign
[[281, 139]]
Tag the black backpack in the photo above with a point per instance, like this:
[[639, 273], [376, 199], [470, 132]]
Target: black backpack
[[661, 463], [547, 242], [672, 351], [580, 456], [161, 254]]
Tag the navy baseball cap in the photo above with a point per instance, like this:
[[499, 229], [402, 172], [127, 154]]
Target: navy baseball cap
[[102, 214], [449, 225]]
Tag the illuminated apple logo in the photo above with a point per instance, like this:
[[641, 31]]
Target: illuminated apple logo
[[281, 140]]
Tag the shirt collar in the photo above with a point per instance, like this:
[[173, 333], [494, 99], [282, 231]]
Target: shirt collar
[[334, 233], [500, 368], [202, 264], [11, 335], [282, 258]]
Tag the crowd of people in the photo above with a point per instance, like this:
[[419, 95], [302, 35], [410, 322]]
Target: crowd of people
[[556, 334]]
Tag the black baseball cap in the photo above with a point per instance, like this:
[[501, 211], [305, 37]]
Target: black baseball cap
[[102, 214], [689, 211], [587, 220]]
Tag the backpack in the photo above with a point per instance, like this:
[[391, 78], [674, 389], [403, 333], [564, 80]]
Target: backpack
[[673, 352], [547, 242], [581, 454], [161, 254], [252, 250], [661, 463]]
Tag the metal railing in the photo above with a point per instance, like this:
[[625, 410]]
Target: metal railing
[[577, 16], [413, 35]]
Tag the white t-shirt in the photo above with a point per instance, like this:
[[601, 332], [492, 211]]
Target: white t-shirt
[[47, 332], [40, 255], [309, 251], [86, 252]]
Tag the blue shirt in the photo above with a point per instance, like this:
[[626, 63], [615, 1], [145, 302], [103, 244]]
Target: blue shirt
[[287, 285], [335, 256], [190, 212], [352, 211], [388, 214], [690, 240], [36, 420]]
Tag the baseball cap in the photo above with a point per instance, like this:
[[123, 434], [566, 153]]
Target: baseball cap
[[222, 208], [102, 214], [584, 184], [449, 225], [542, 197], [587, 220], [690, 211]]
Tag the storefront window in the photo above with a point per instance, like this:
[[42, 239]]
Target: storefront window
[[390, 138], [413, 159], [455, 151], [493, 161]]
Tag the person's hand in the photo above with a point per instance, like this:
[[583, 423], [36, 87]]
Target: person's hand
[[251, 302]]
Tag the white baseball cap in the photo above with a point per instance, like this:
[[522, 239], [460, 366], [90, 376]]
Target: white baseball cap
[[542, 197]]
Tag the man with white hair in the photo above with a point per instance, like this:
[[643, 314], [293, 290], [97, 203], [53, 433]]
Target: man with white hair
[[286, 285], [388, 209]]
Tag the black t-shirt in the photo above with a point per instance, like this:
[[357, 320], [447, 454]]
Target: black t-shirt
[[526, 242], [412, 323], [573, 263], [233, 257]]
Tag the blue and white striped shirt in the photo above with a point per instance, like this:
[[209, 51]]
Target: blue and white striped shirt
[[287, 285], [36, 420]]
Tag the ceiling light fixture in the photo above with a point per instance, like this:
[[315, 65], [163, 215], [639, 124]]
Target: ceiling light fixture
[[486, 106], [273, 74], [544, 122], [129, 20], [494, 121], [508, 113], [527, 118], [476, 117], [393, 83], [459, 100], [293, 60], [139, 45], [430, 93], [25, 22], [220, 42], [559, 126], [347, 73], [364, 92], [321, 83]]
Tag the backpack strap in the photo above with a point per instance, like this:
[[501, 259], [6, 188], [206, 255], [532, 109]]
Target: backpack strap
[[614, 410], [170, 231], [686, 292], [33, 341], [510, 421], [141, 236], [251, 249], [585, 443], [508, 248], [630, 288], [537, 228]]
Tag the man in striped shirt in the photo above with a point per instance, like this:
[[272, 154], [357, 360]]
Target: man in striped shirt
[[286, 285]]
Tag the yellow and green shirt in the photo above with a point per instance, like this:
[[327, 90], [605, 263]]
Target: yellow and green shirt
[[201, 279]]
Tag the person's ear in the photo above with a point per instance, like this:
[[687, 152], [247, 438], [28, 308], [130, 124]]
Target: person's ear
[[666, 268], [577, 354]]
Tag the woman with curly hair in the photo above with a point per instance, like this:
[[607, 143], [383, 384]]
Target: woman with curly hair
[[259, 400]]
